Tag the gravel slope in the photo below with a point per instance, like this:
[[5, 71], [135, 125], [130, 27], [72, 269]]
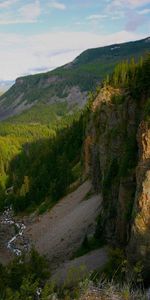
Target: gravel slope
[[58, 233], [74, 270]]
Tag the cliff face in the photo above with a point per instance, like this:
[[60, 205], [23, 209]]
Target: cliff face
[[117, 158], [139, 245]]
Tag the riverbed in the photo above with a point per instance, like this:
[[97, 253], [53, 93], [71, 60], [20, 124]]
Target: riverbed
[[18, 243]]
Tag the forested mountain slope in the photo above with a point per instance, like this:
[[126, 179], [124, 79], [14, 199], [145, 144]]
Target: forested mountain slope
[[70, 83], [39, 161]]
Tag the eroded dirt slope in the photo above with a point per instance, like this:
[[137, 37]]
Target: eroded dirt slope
[[58, 233]]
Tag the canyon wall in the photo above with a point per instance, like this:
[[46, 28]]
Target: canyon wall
[[117, 158]]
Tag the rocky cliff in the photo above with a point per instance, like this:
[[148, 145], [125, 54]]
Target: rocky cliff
[[139, 244], [117, 158]]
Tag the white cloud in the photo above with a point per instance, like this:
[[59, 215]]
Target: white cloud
[[30, 11], [138, 2], [126, 4], [96, 17], [117, 17], [50, 49], [145, 11], [7, 3], [8, 19], [80, 23], [57, 5]]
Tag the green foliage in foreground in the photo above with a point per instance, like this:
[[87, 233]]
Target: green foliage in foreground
[[88, 244], [21, 278]]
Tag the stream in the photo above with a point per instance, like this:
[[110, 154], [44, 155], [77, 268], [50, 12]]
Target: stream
[[8, 219], [14, 245]]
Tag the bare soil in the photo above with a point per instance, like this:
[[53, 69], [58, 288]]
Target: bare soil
[[59, 233], [74, 270]]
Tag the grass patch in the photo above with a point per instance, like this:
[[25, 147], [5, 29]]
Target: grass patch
[[45, 206], [88, 244], [147, 110], [77, 171], [88, 195], [41, 114], [118, 99]]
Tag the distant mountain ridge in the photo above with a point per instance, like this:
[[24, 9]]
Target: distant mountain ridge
[[71, 82]]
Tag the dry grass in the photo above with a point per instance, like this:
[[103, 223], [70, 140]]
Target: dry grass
[[110, 291], [105, 290]]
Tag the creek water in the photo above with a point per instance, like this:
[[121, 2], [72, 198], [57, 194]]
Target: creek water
[[8, 219]]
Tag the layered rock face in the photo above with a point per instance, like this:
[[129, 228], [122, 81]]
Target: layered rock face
[[117, 157], [139, 245]]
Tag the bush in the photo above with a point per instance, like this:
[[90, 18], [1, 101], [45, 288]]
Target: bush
[[118, 99], [22, 276], [112, 172]]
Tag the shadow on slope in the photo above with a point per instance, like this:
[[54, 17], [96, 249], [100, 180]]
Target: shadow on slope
[[44, 168]]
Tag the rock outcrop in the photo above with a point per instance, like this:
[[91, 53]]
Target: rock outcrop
[[117, 157], [139, 245]]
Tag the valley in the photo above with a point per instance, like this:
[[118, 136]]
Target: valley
[[74, 170]]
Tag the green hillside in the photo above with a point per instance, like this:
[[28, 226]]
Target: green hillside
[[41, 113], [39, 160], [69, 83]]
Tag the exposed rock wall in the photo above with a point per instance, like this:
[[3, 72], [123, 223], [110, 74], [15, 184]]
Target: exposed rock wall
[[139, 245], [118, 160]]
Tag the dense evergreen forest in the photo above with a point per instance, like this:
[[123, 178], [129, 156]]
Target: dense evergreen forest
[[133, 76], [40, 161]]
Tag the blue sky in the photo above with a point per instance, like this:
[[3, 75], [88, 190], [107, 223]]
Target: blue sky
[[39, 35]]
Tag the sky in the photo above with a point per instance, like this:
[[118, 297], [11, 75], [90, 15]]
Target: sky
[[40, 35]]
